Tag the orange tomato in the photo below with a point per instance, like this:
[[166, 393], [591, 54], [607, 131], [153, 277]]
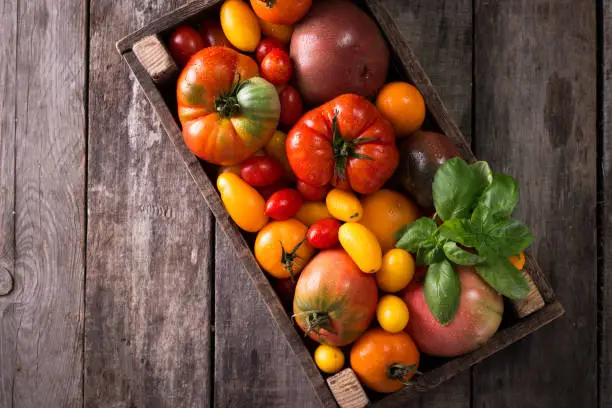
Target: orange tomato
[[281, 11], [384, 362], [403, 105], [518, 262], [281, 32]]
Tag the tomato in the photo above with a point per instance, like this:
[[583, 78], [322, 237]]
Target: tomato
[[361, 245], [323, 234], [267, 191], [276, 67], [242, 202], [284, 204], [329, 359], [345, 142], [384, 362], [403, 105], [312, 211], [184, 42], [212, 33], [261, 171], [276, 149], [291, 105], [285, 289], [240, 25], [392, 313], [334, 302], [281, 248], [518, 261], [226, 112], [344, 205], [396, 271], [281, 32], [267, 45], [312, 193], [231, 169], [385, 212], [281, 11]]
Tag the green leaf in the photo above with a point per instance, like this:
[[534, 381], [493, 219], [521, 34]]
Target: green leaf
[[417, 235], [483, 173], [505, 238], [459, 231], [442, 290], [497, 201], [428, 256], [460, 256], [504, 277], [456, 188]]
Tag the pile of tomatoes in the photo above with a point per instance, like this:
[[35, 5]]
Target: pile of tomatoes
[[309, 185]]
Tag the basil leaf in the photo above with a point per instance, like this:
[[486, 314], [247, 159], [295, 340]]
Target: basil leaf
[[455, 189], [459, 231], [460, 256], [483, 173], [428, 256], [505, 238], [504, 277], [497, 201], [442, 290], [417, 234]]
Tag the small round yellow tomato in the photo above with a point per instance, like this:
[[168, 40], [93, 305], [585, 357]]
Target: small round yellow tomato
[[243, 203], [276, 150], [518, 261], [312, 211], [329, 359], [396, 271], [385, 212], [344, 205], [240, 25], [281, 32], [230, 169], [281, 248], [392, 313], [361, 245]]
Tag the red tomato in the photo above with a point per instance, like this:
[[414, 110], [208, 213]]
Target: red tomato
[[283, 204], [261, 171], [276, 67], [285, 289], [291, 105], [312, 193], [212, 33], [184, 42], [345, 142], [323, 234], [267, 191], [267, 45]]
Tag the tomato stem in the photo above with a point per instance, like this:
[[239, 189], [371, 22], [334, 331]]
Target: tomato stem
[[314, 321], [288, 258], [227, 105], [397, 371], [269, 3], [345, 149]]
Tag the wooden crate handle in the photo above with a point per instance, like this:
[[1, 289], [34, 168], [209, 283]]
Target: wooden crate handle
[[532, 302], [156, 59], [347, 389]]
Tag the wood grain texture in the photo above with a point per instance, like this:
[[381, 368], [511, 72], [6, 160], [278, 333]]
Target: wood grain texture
[[42, 318], [156, 59], [535, 107], [147, 332]]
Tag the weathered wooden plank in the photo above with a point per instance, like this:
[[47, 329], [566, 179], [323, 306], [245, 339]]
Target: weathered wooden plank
[[147, 330], [42, 318], [535, 104], [440, 34]]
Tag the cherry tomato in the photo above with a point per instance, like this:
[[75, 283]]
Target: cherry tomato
[[291, 105], [396, 272], [283, 204], [267, 45], [276, 67], [261, 171], [344, 205], [243, 202], [312, 193], [240, 25], [518, 261], [324, 233], [392, 313], [312, 211], [329, 359], [212, 34], [282, 32], [184, 42], [267, 191], [276, 150], [362, 246]]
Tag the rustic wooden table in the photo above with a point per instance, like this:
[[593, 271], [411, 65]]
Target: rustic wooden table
[[124, 294]]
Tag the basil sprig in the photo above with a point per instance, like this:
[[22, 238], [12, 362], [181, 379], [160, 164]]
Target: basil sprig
[[474, 206]]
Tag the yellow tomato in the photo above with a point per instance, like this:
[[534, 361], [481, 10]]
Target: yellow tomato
[[276, 150], [385, 212], [396, 271], [402, 105], [312, 211], [392, 313], [518, 261], [240, 25], [243, 203], [361, 245], [329, 359], [281, 248], [281, 32], [344, 205], [230, 169]]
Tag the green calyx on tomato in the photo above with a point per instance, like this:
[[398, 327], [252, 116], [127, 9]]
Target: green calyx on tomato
[[314, 321], [398, 371], [288, 258], [269, 3], [344, 149], [227, 105]]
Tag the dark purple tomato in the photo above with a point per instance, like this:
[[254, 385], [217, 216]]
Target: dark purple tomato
[[184, 42]]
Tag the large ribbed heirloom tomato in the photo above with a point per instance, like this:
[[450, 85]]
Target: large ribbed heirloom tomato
[[345, 142], [226, 110]]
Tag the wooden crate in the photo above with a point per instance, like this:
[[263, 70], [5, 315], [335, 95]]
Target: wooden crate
[[156, 72]]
